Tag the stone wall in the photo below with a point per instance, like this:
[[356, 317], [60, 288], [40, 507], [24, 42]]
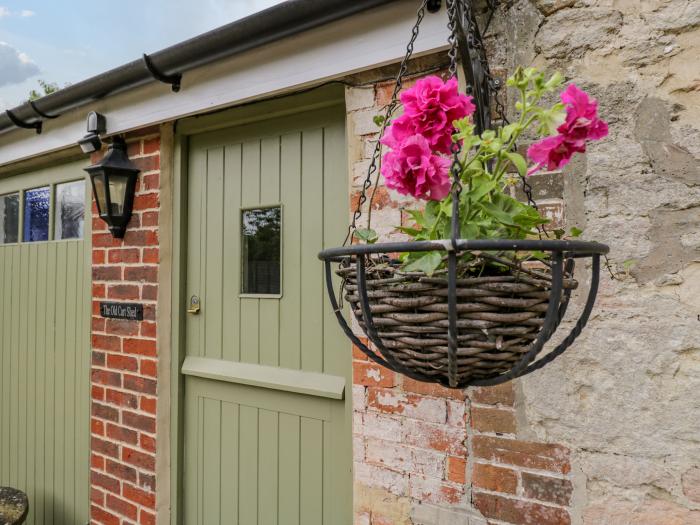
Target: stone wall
[[608, 433]]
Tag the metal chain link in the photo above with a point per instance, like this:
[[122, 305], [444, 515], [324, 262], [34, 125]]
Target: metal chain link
[[391, 107]]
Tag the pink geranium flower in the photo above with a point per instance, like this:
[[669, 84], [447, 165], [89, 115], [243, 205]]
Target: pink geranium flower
[[430, 108], [411, 168], [581, 125]]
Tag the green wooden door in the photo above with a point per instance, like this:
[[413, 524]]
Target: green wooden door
[[267, 435], [44, 342]]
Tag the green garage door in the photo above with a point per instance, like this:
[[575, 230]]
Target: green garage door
[[44, 342], [267, 419]]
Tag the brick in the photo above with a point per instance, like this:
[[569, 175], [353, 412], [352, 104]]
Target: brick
[[148, 329], [456, 413], [106, 378], [146, 518], [147, 482], [97, 426], [456, 469], [97, 496], [359, 355], [371, 374], [442, 438], [123, 291], [151, 146], [383, 478], [98, 358], [151, 255], [147, 443], [519, 512], [98, 324], [381, 426], [103, 517], [137, 495], [133, 147], [410, 405], [97, 393], [432, 389], [121, 471], [150, 182], [405, 459], [106, 482], [546, 488], [495, 479], [104, 412], [141, 238], [122, 435], [99, 291], [148, 404], [359, 98], [122, 399], [121, 506], [106, 342], [542, 456], [138, 459], [148, 368], [104, 240], [149, 163], [139, 422], [492, 420], [124, 255], [149, 292], [103, 447], [122, 362], [97, 462], [145, 347], [106, 273], [147, 274], [494, 395], [149, 218], [434, 491], [141, 385]]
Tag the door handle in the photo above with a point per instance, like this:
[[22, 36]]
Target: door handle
[[195, 305]]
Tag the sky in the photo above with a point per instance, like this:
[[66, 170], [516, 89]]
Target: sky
[[65, 41]]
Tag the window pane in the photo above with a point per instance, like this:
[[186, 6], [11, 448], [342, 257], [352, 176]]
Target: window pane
[[70, 210], [36, 215], [261, 243], [9, 218]]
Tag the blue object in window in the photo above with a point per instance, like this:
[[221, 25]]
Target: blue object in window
[[36, 215]]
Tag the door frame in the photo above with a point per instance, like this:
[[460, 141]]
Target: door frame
[[323, 96]]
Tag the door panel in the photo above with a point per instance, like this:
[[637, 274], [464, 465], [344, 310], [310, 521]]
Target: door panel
[[44, 364], [257, 451]]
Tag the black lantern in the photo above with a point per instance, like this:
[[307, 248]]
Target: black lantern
[[113, 184]]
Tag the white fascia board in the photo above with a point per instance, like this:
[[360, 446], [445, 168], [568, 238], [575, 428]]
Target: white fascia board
[[364, 41]]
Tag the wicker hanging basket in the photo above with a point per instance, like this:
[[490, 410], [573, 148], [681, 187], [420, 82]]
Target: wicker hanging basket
[[485, 319]]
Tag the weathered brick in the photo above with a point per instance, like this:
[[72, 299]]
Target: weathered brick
[[438, 437], [495, 479], [122, 399], [432, 389], [405, 459], [494, 395], [435, 491], [519, 512], [527, 454], [137, 495], [547, 488], [371, 374], [456, 469], [492, 420], [410, 405]]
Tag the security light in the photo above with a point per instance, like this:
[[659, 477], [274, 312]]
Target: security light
[[96, 124]]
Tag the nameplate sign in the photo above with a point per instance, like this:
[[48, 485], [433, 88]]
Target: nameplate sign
[[127, 311]]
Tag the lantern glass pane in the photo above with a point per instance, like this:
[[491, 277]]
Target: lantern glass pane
[[261, 246], [70, 210], [100, 196], [117, 193], [36, 214], [9, 218]]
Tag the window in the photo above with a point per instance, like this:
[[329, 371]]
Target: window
[[36, 214], [9, 218], [69, 214], [260, 250]]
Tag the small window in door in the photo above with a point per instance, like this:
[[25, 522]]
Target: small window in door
[[36, 214], [69, 212], [260, 250], [9, 218]]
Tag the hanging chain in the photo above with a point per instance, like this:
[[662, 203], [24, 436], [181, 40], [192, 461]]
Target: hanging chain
[[456, 168], [390, 108]]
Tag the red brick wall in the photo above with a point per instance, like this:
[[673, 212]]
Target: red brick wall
[[124, 355], [428, 447]]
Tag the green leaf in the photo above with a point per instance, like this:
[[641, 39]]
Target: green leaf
[[367, 234], [559, 233], [426, 263], [379, 120], [575, 232], [518, 161]]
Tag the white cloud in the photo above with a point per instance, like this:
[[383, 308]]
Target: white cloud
[[15, 66], [4, 11], [24, 13]]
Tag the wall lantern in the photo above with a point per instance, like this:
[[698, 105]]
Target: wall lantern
[[113, 185]]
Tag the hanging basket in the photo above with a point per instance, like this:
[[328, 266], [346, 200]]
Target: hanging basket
[[486, 316], [456, 328]]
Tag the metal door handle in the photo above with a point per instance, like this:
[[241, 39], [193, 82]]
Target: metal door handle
[[195, 305]]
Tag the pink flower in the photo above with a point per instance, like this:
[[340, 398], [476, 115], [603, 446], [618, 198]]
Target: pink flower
[[412, 169], [430, 108], [581, 125]]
